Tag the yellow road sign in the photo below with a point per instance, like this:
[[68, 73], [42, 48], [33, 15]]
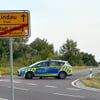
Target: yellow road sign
[[14, 23]]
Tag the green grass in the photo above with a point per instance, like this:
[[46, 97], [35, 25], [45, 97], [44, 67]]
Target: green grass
[[82, 67], [6, 70], [92, 82]]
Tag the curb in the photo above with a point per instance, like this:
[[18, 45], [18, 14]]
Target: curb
[[80, 85]]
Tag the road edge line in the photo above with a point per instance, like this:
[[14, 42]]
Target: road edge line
[[74, 83], [85, 87]]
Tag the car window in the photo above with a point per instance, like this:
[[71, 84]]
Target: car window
[[52, 63], [61, 63], [66, 63], [42, 64]]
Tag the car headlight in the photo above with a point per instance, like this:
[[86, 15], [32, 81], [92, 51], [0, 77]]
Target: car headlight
[[22, 70]]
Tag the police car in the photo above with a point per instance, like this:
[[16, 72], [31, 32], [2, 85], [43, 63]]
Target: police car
[[47, 68]]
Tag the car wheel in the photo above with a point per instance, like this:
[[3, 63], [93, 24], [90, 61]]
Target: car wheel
[[57, 77], [62, 75], [29, 75], [41, 77]]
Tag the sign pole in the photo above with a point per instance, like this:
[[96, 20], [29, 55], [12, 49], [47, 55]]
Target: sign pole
[[14, 24], [11, 68]]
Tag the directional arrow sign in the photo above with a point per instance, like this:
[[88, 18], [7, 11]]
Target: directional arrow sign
[[14, 23], [23, 17]]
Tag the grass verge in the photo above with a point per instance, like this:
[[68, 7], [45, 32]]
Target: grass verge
[[82, 67], [92, 82], [6, 70]]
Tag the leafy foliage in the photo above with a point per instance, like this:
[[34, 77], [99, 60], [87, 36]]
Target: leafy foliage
[[70, 52], [88, 59], [40, 49]]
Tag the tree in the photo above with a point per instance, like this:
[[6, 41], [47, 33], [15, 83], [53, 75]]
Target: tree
[[42, 49], [4, 50], [20, 48], [70, 52], [88, 59]]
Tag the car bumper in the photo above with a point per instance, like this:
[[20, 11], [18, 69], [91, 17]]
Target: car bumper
[[18, 73]]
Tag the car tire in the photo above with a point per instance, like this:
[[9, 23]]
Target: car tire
[[29, 75], [62, 75], [41, 77]]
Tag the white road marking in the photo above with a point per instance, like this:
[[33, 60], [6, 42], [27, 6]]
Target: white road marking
[[31, 84], [51, 86], [5, 80], [16, 82], [73, 83], [20, 88], [3, 99], [73, 89], [84, 87], [9, 81], [69, 95]]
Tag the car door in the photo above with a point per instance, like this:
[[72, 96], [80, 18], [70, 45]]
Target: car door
[[53, 68], [41, 69]]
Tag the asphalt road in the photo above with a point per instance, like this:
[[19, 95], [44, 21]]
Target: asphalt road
[[47, 88]]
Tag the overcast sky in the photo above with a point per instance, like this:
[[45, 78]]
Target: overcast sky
[[58, 20]]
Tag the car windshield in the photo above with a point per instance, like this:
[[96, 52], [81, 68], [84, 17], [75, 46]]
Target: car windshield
[[33, 65]]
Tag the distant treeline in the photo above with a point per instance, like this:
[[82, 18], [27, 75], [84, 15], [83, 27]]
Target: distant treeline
[[40, 49]]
